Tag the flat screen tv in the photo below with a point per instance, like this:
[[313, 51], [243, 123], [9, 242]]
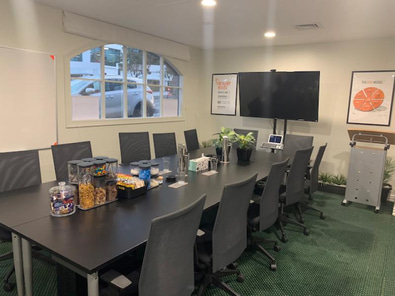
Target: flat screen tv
[[280, 95]]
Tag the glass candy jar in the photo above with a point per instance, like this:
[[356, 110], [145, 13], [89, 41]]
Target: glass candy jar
[[154, 168], [111, 190], [62, 200], [134, 168], [99, 184], [72, 167], [85, 185], [145, 173], [112, 168], [99, 168]]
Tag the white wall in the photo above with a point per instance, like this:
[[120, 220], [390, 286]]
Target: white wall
[[26, 25], [336, 61]]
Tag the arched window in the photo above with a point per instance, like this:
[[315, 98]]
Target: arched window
[[114, 81]]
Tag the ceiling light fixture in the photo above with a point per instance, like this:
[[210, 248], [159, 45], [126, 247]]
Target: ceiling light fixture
[[209, 3], [270, 34]]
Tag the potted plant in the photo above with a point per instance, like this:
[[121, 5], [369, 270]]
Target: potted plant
[[389, 169], [332, 183], [218, 142], [245, 144]]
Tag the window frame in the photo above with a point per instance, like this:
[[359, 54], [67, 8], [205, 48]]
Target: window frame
[[120, 121]]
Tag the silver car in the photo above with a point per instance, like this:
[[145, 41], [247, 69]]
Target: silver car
[[114, 95]]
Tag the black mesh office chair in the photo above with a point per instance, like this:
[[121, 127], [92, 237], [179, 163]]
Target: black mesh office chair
[[292, 143], [293, 192], [220, 247], [134, 147], [263, 213], [191, 140], [62, 153], [311, 183], [245, 132], [165, 144], [168, 263], [19, 170]]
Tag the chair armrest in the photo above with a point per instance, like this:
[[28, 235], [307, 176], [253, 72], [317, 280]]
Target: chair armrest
[[115, 279]]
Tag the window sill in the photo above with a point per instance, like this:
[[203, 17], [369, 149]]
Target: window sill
[[131, 121]]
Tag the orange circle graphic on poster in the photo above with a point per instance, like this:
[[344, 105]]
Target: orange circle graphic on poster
[[368, 99]]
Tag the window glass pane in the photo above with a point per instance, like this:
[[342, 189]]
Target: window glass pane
[[77, 58], [114, 101], [85, 98], [113, 57], [156, 98], [134, 60], [171, 101], [171, 77], [81, 65], [95, 55], [153, 68]]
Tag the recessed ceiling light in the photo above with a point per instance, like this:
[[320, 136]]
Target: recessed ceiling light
[[270, 34], [209, 3]]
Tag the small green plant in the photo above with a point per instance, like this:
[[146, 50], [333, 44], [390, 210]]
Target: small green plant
[[339, 179], [389, 169], [220, 139], [245, 141], [325, 177]]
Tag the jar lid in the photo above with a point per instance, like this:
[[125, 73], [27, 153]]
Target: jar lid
[[154, 164], [99, 162], [85, 164], [101, 157], [145, 165], [135, 163], [145, 162], [111, 160], [89, 159], [75, 161]]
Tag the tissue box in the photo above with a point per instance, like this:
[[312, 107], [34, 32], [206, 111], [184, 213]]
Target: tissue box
[[199, 164]]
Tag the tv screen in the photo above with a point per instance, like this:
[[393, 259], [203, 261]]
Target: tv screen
[[281, 95]]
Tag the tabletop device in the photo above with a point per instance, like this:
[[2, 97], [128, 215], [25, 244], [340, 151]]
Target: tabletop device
[[273, 142]]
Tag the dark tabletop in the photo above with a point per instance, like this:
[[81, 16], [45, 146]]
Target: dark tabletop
[[92, 239]]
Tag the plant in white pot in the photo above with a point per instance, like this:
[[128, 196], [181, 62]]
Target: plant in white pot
[[245, 145]]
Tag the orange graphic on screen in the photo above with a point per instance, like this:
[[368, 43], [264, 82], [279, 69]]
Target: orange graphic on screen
[[368, 99]]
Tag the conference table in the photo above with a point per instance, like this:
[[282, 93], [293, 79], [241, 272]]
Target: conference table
[[88, 241]]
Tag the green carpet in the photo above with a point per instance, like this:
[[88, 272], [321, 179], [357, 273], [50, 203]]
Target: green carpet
[[348, 253]]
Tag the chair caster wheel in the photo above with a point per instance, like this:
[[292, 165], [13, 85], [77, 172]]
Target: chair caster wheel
[[322, 216], [277, 248], [273, 266], [344, 203], [306, 231], [376, 211], [284, 239], [240, 278], [233, 265], [8, 287]]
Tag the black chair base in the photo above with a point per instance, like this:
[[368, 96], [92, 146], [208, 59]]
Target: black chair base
[[215, 279], [309, 207], [283, 218]]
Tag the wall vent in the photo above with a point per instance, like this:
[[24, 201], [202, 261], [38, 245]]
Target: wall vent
[[308, 26]]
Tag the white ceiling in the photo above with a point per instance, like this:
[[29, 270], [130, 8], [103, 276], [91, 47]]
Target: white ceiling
[[241, 23]]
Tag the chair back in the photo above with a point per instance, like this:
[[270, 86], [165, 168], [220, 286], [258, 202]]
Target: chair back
[[62, 153], [245, 132], [296, 142], [134, 147], [165, 144], [296, 177], [191, 139], [168, 265], [230, 228], [268, 212], [313, 182], [19, 169]]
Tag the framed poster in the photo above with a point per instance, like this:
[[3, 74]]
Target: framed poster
[[223, 94], [371, 97]]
